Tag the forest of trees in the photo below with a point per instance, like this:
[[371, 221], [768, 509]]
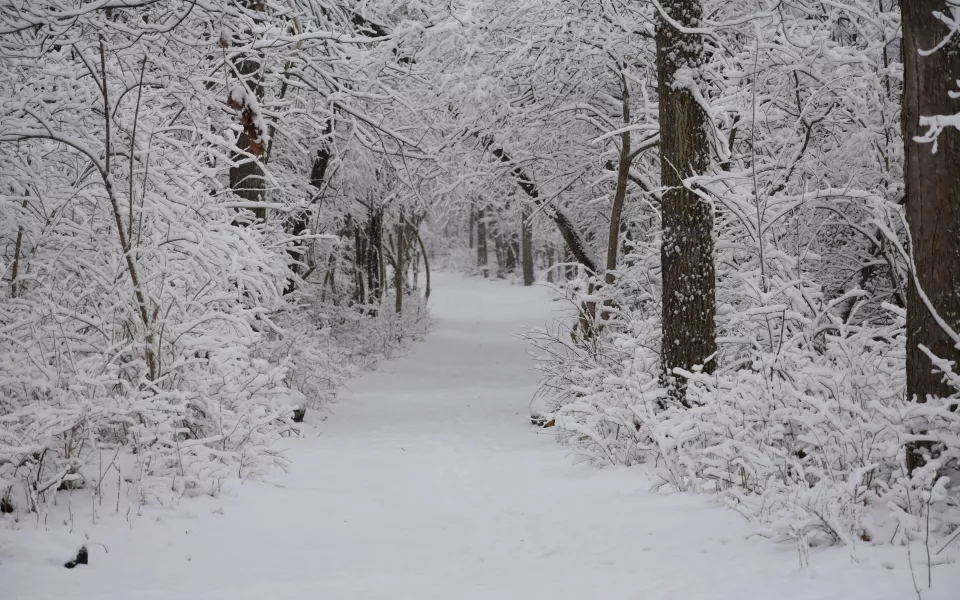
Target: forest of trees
[[214, 212]]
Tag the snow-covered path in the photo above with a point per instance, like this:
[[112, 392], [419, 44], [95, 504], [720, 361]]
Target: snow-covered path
[[427, 482]]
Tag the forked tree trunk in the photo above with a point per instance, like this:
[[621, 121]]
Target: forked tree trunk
[[689, 279], [526, 246], [932, 201]]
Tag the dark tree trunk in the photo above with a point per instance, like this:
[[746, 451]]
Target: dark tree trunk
[[398, 268], [689, 279], [620, 195], [426, 264], [482, 257], [513, 251], [570, 271], [246, 178], [470, 225], [526, 246], [550, 269], [932, 200], [374, 251], [300, 221], [500, 251], [359, 265]]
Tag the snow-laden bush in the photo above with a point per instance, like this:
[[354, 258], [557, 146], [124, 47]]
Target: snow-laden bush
[[802, 427], [76, 375], [151, 314]]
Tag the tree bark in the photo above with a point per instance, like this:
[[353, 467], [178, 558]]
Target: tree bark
[[550, 269], [470, 225], [359, 265], [398, 268], [689, 278], [482, 257], [374, 252], [526, 246], [932, 201], [246, 178], [300, 221], [498, 251], [426, 263], [620, 196]]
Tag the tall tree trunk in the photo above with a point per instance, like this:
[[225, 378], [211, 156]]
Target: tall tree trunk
[[375, 241], [623, 174], [426, 264], [513, 251], [473, 211], [526, 246], [932, 200], [570, 271], [482, 257], [246, 178], [550, 269], [499, 250], [298, 224], [359, 265], [689, 279], [398, 267]]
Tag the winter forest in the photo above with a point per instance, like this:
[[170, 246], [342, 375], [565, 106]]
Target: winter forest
[[480, 299]]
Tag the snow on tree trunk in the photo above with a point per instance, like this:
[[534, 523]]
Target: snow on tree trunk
[[246, 176], [932, 199], [689, 285]]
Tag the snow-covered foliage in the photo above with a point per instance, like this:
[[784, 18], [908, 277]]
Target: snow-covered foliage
[[178, 181], [802, 421], [214, 211]]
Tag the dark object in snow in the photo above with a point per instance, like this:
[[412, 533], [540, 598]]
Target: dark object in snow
[[541, 421], [81, 558], [299, 414], [6, 505]]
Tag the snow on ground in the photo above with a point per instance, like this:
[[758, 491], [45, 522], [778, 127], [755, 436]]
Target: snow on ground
[[427, 481]]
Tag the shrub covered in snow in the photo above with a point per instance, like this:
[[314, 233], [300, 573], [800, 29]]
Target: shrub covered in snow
[[802, 426]]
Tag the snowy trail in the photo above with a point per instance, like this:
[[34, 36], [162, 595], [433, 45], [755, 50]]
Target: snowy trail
[[427, 481]]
